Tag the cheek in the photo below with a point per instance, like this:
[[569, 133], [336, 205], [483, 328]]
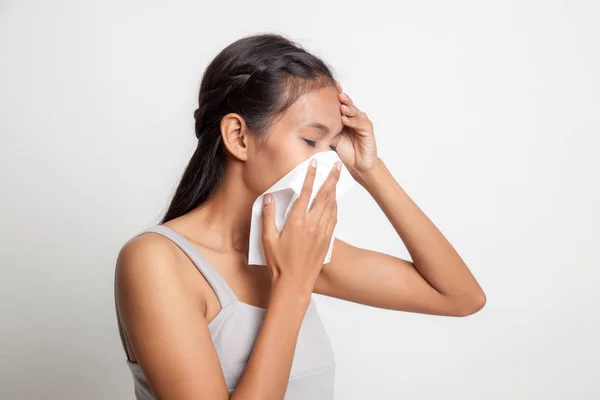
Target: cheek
[[271, 164], [261, 170], [289, 156]]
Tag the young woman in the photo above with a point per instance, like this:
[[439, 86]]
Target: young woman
[[196, 321]]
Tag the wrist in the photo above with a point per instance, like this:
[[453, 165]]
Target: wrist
[[366, 178], [291, 292]]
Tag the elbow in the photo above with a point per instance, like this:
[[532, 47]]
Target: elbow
[[472, 305]]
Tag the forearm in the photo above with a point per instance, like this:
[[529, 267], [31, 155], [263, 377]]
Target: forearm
[[433, 256], [268, 369]]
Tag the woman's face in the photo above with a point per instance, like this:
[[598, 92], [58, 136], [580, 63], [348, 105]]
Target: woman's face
[[311, 125]]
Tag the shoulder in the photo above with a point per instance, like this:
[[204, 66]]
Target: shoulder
[[151, 265], [148, 253], [146, 245], [148, 265]]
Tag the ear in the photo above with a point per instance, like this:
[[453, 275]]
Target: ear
[[234, 133]]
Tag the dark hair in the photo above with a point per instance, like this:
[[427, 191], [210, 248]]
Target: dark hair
[[257, 77]]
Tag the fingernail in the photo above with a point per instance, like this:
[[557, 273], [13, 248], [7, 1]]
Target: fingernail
[[338, 165], [267, 198], [313, 163]]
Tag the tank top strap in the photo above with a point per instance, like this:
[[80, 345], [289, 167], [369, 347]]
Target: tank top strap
[[219, 285]]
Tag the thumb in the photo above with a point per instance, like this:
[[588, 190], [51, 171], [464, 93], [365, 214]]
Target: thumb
[[268, 216]]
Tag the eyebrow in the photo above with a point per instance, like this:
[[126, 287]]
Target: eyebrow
[[323, 129]]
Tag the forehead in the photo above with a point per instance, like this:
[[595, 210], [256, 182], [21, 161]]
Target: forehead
[[321, 105]]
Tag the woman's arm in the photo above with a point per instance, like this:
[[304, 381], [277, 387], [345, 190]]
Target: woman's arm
[[268, 370], [170, 337], [436, 282]]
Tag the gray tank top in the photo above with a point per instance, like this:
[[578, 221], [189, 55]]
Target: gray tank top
[[234, 331]]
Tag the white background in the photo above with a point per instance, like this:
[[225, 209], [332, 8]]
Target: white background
[[486, 112]]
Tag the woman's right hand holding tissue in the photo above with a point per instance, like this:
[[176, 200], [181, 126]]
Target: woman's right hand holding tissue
[[294, 256]]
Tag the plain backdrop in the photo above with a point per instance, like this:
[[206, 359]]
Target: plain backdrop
[[486, 112]]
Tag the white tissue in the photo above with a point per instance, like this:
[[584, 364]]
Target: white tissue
[[285, 192]]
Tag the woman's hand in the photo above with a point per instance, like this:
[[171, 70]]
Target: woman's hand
[[295, 256], [356, 147]]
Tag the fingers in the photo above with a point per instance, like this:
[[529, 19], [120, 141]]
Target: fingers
[[329, 214], [352, 116], [269, 229], [347, 107], [326, 194], [299, 207], [330, 220]]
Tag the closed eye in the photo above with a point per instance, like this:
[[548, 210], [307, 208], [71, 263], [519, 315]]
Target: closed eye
[[312, 143]]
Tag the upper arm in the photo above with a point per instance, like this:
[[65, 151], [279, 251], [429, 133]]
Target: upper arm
[[165, 323], [379, 280]]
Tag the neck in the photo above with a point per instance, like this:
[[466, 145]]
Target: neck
[[223, 222]]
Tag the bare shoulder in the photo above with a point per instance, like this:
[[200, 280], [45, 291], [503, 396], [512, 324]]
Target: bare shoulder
[[150, 264], [145, 255]]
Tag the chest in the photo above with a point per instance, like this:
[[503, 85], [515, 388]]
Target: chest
[[235, 329]]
